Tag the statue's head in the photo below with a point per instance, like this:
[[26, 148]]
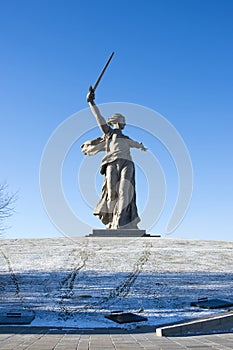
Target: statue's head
[[117, 121]]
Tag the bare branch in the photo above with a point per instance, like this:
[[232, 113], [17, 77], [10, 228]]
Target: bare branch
[[7, 201]]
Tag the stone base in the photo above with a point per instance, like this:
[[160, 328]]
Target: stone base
[[17, 317], [213, 324], [119, 233], [125, 317]]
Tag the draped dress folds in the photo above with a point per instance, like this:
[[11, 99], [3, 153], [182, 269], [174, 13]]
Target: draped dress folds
[[117, 206]]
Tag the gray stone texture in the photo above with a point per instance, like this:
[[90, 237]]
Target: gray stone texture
[[41, 338]]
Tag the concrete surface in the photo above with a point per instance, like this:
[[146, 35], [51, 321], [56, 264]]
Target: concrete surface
[[41, 338], [204, 326]]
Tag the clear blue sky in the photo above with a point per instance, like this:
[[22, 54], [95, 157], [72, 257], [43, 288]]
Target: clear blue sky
[[171, 56]]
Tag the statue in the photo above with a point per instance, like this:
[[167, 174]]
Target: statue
[[117, 206]]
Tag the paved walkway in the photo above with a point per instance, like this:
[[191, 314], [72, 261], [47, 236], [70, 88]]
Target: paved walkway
[[41, 338]]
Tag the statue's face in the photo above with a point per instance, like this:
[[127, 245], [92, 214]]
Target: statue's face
[[117, 121], [118, 126]]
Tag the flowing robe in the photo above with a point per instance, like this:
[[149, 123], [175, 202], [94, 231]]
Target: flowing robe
[[117, 206]]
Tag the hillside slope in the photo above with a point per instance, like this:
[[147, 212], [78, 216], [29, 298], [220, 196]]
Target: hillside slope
[[75, 282]]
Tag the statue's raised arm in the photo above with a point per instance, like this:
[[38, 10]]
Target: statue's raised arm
[[96, 112]]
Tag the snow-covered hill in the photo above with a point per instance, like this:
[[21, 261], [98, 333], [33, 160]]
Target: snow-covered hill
[[75, 282]]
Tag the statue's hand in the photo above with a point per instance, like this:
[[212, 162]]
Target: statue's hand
[[143, 148], [90, 95]]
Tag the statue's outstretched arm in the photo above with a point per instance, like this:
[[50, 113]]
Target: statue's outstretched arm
[[136, 144], [96, 112]]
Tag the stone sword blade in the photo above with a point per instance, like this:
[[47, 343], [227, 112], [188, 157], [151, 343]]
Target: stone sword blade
[[101, 74]]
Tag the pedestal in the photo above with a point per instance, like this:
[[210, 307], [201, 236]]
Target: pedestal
[[119, 233]]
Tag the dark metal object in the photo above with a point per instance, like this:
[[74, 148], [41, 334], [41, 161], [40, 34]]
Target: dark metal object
[[16, 317], [212, 303], [126, 317], [101, 74]]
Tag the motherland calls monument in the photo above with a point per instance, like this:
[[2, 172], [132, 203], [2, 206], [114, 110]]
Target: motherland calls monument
[[117, 207]]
